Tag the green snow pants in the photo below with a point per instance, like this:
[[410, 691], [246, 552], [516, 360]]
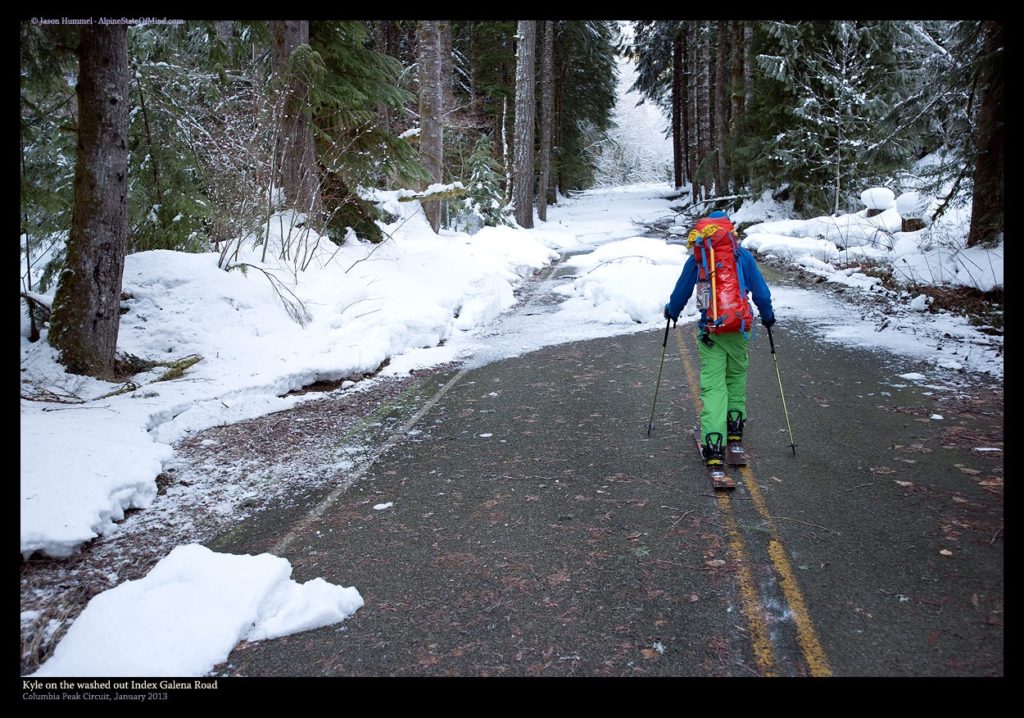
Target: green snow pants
[[723, 381]]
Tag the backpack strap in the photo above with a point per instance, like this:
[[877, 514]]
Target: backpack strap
[[743, 282], [704, 273]]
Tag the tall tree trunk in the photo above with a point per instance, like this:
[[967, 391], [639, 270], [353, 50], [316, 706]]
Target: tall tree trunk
[[748, 62], [684, 102], [225, 30], [387, 37], [410, 48], [87, 307], [558, 180], [447, 72], [735, 93], [388, 41], [708, 104], [987, 203], [296, 148], [677, 108], [721, 106], [522, 173], [693, 112], [704, 139], [431, 112], [547, 111]]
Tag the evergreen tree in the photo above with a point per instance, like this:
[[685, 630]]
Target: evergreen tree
[[658, 49], [189, 103], [484, 196], [652, 51], [840, 78], [586, 79], [358, 85], [48, 130], [489, 48]]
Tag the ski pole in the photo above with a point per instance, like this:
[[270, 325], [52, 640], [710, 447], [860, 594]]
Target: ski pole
[[792, 444], [664, 344]]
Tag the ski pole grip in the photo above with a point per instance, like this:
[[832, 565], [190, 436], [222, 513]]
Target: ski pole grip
[[770, 339], [664, 342]]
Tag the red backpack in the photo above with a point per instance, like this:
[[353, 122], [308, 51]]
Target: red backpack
[[721, 290]]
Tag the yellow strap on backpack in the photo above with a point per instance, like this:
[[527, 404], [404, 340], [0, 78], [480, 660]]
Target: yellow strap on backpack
[[714, 288], [705, 232]]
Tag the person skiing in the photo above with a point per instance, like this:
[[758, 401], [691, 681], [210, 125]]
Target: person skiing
[[723, 273]]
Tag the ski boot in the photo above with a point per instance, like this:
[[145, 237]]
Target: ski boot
[[734, 453], [713, 453]]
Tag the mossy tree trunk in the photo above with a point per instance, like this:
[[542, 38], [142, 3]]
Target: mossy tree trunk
[[86, 308], [721, 106], [547, 117], [677, 108], [296, 147], [428, 38], [523, 143], [987, 204]]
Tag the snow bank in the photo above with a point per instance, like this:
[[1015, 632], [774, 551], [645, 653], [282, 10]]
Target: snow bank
[[935, 255], [790, 248], [188, 613], [633, 293], [626, 281], [306, 310], [912, 205], [877, 198], [81, 468], [263, 329], [976, 267]]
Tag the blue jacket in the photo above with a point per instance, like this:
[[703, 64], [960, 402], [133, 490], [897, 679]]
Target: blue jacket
[[756, 285]]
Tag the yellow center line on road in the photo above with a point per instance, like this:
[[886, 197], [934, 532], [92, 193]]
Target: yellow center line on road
[[760, 642], [807, 637]]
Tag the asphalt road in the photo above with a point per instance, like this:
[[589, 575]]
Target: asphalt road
[[536, 530]]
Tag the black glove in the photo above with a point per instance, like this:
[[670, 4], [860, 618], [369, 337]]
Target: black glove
[[669, 316], [769, 322]]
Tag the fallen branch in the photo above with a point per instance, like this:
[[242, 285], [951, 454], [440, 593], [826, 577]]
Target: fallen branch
[[711, 200], [447, 193], [127, 387], [176, 369], [52, 397]]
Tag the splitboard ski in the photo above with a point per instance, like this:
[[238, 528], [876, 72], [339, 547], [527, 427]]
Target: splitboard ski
[[719, 478], [734, 454]]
